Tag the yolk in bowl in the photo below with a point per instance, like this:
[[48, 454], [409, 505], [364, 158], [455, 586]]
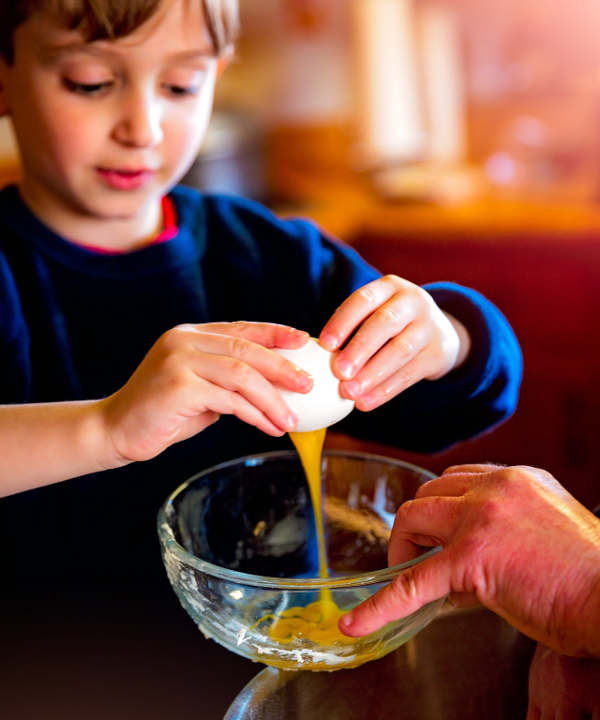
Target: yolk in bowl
[[318, 621]]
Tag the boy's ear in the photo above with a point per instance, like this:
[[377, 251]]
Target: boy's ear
[[224, 60], [221, 65]]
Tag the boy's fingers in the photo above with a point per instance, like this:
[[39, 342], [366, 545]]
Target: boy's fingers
[[269, 364], [384, 361], [266, 334], [354, 310], [388, 330], [405, 377], [205, 419], [410, 590], [247, 382], [225, 402], [198, 423]]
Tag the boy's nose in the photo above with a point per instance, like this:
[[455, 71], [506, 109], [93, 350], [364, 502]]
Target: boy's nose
[[140, 124]]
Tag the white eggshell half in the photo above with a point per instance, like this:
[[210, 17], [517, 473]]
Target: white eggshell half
[[323, 405]]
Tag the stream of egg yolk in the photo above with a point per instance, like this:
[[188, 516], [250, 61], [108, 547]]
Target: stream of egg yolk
[[318, 621]]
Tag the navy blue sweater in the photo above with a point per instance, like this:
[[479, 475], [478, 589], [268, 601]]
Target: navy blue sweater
[[75, 324]]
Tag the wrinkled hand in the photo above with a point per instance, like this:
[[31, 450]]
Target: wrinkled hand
[[195, 373], [563, 688], [513, 539], [400, 337]]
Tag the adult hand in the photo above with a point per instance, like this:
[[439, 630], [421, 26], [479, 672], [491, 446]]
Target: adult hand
[[513, 539], [563, 688], [398, 337], [194, 373]]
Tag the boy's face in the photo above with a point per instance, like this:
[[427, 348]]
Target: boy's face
[[104, 128]]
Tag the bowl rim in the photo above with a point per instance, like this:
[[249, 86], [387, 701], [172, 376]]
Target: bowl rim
[[170, 544]]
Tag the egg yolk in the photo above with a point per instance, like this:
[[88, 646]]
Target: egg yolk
[[318, 621]]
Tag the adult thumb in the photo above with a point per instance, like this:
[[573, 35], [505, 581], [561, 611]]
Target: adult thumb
[[407, 592]]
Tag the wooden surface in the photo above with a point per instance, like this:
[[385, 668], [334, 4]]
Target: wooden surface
[[9, 173]]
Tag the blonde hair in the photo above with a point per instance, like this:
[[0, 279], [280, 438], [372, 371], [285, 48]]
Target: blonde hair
[[110, 19]]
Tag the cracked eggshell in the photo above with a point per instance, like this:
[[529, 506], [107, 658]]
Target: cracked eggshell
[[323, 405]]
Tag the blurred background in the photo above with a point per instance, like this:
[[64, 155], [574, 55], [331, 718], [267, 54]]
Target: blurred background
[[443, 100], [445, 140]]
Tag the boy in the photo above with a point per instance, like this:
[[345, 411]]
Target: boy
[[100, 255]]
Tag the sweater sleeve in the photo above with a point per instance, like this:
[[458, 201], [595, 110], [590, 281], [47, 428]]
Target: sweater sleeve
[[484, 391], [431, 415], [300, 276]]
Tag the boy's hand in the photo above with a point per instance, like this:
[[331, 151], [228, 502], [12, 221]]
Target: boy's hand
[[513, 539], [400, 337], [195, 373]]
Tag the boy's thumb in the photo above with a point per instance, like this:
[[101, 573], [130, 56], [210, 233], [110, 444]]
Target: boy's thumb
[[410, 590]]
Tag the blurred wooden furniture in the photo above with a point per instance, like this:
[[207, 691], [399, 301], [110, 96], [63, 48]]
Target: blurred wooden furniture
[[9, 173], [538, 260], [541, 266]]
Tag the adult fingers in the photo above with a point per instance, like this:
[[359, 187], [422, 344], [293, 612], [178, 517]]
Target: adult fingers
[[463, 599], [426, 522], [533, 711], [404, 546], [476, 468], [411, 589], [565, 711], [455, 483], [460, 478]]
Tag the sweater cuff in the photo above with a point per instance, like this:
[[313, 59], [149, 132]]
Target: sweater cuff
[[494, 348]]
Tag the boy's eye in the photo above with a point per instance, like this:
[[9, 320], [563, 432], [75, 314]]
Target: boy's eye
[[86, 88], [181, 90]]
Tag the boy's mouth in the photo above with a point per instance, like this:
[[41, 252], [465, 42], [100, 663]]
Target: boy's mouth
[[125, 179]]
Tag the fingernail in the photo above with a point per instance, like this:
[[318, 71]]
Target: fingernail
[[305, 380], [345, 368], [347, 620], [329, 341], [291, 421], [369, 401], [353, 388]]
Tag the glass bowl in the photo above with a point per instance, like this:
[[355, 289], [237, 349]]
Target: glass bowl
[[239, 545]]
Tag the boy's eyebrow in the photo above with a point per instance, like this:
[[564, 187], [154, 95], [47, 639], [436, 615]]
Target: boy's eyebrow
[[52, 53]]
